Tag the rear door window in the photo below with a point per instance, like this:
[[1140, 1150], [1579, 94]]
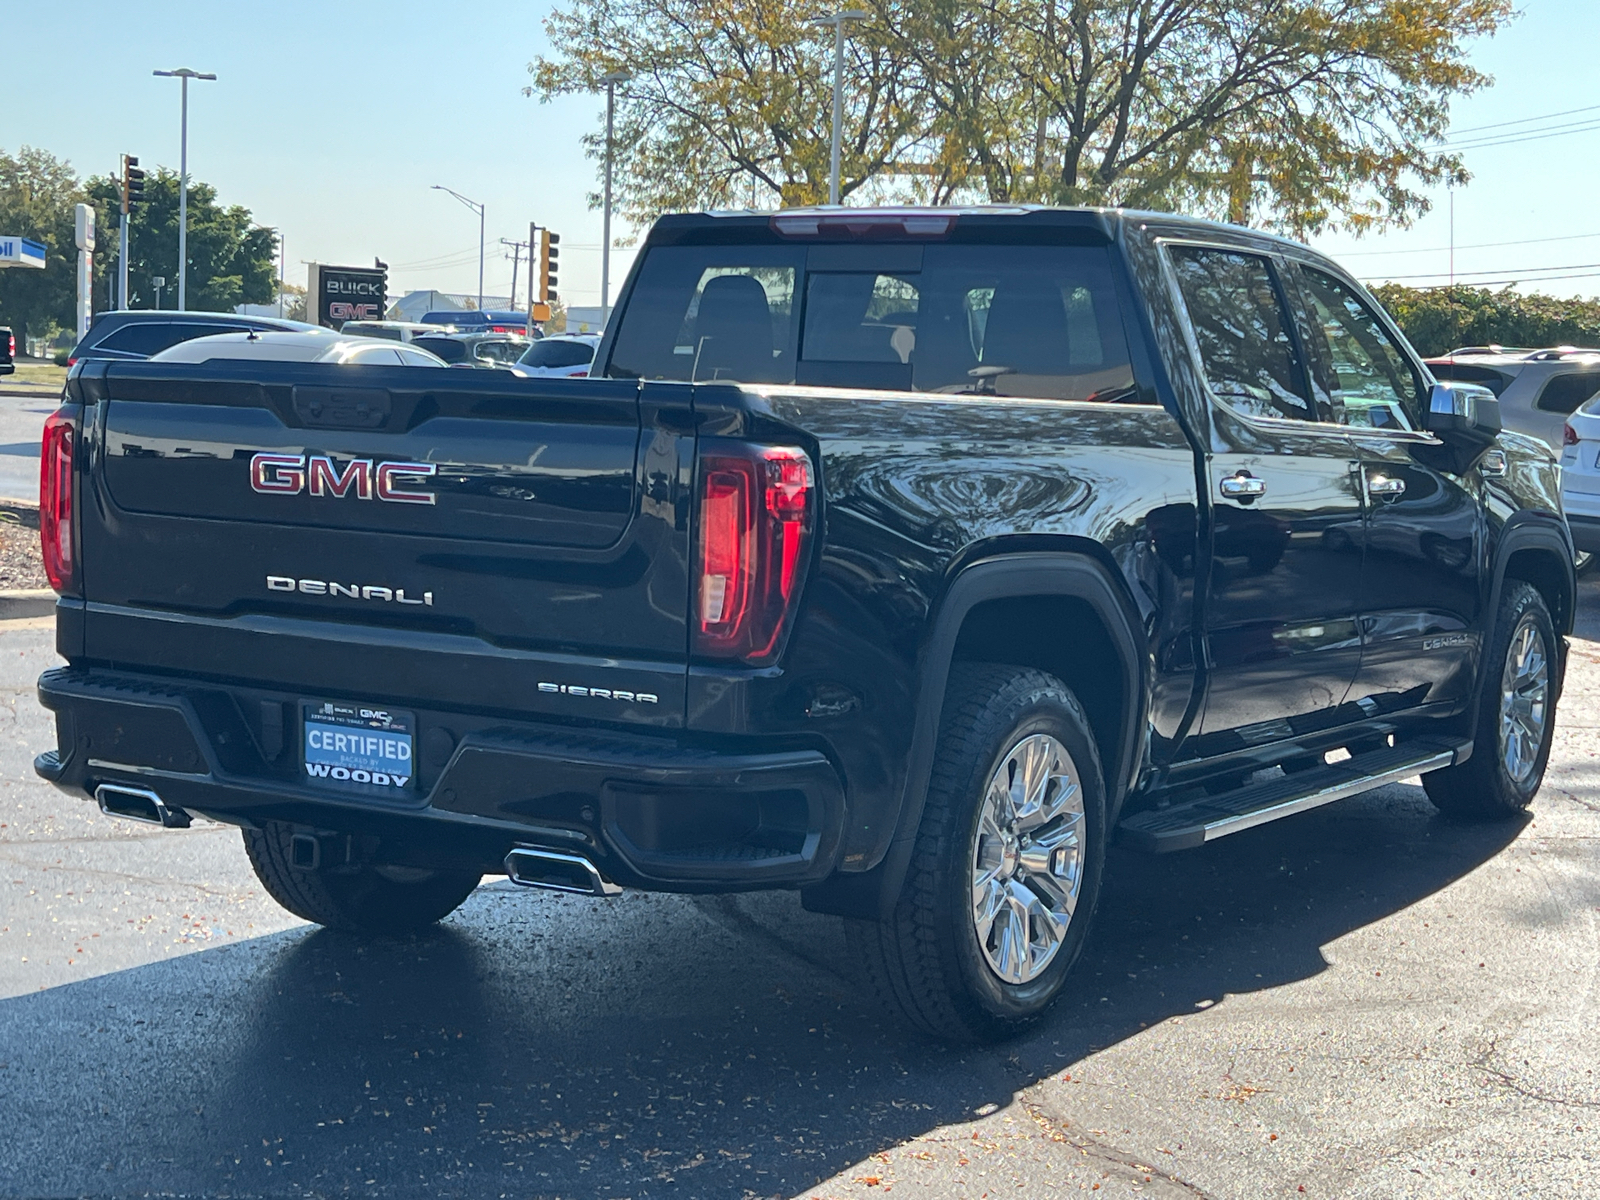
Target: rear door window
[[448, 349], [152, 337], [1564, 393], [1242, 328], [552, 352]]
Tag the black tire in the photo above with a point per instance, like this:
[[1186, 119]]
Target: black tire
[[1483, 786], [370, 898], [925, 961]]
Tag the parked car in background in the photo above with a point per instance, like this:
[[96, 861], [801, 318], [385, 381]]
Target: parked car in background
[[488, 320], [140, 333], [8, 351], [1580, 477], [560, 356], [313, 345], [498, 350], [394, 331], [1538, 389]]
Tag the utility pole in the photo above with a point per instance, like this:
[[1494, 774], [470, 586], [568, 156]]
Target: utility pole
[[837, 21], [516, 259], [479, 209], [184, 74], [611, 81]]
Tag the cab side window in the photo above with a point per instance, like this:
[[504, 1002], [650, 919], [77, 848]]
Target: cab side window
[[1243, 330], [1373, 380]]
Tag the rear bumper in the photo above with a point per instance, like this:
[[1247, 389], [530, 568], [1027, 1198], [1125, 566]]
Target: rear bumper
[[651, 812]]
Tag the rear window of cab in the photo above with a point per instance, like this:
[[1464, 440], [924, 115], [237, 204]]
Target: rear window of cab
[[1031, 321]]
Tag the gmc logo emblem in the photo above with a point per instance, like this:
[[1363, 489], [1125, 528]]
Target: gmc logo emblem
[[343, 310], [291, 474]]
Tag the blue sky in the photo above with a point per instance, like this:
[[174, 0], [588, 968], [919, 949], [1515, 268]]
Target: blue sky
[[330, 121]]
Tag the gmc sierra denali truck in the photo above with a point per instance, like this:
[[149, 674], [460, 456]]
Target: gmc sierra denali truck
[[904, 557]]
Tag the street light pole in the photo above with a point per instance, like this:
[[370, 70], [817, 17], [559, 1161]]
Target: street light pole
[[837, 21], [184, 74], [611, 81], [480, 209]]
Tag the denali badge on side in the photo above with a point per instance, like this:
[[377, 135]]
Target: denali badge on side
[[600, 693], [355, 591], [291, 474]]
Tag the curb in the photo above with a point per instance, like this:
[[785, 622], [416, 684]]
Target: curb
[[26, 602]]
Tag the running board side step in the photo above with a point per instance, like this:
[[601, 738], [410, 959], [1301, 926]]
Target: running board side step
[[1185, 826]]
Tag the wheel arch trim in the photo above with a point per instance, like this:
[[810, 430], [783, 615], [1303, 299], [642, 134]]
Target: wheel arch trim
[[1545, 534], [1063, 574]]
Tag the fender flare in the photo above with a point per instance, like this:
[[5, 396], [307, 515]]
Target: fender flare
[[1534, 531], [872, 894]]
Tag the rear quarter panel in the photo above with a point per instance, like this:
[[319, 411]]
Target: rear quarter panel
[[915, 487]]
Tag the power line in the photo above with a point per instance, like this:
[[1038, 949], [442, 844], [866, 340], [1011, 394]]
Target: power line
[[1428, 287], [1531, 271], [1523, 121], [1574, 237], [1518, 139]]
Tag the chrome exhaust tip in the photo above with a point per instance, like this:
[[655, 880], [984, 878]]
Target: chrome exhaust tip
[[138, 804], [557, 872]]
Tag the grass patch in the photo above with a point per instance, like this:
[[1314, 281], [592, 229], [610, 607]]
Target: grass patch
[[37, 375]]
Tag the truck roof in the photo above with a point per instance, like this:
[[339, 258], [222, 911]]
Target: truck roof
[[886, 222]]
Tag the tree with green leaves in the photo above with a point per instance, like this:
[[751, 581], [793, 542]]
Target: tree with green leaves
[[38, 196], [1437, 320], [232, 261], [1297, 114]]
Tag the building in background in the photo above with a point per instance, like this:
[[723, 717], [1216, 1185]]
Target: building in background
[[585, 318]]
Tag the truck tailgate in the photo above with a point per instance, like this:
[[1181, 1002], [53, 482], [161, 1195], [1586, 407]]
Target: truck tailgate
[[392, 533]]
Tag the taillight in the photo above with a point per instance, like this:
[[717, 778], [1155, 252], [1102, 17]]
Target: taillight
[[757, 509], [72, 362], [1569, 436], [55, 499]]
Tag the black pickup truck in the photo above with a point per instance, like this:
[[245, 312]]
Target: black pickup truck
[[904, 557]]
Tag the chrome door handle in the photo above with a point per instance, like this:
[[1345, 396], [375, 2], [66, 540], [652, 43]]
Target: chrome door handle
[[1241, 486], [1385, 487]]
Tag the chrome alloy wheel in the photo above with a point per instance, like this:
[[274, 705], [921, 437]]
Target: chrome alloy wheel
[[1028, 858], [1524, 700]]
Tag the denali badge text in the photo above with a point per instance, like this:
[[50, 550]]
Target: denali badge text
[[291, 474], [354, 591], [600, 693]]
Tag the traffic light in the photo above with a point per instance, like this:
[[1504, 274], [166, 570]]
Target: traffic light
[[548, 253], [132, 183]]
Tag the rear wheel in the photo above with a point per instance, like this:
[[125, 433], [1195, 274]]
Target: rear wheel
[[1006, 871], [370, 898], [1516, 715]]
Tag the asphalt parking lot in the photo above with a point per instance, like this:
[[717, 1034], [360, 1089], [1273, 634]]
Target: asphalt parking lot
[[1362, 1001]]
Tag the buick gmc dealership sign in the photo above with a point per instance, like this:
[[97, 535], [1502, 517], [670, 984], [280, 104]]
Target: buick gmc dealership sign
[[340, 294]]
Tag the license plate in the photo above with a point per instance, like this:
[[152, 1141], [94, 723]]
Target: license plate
[[362, 747]]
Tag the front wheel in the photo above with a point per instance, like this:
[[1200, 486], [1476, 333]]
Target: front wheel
[[371, 898], [1516, 715], [1006, 871]]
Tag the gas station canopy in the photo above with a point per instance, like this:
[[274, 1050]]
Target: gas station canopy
[[20, 252]]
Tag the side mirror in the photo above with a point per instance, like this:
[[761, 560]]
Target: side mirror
[[1462, 410]]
